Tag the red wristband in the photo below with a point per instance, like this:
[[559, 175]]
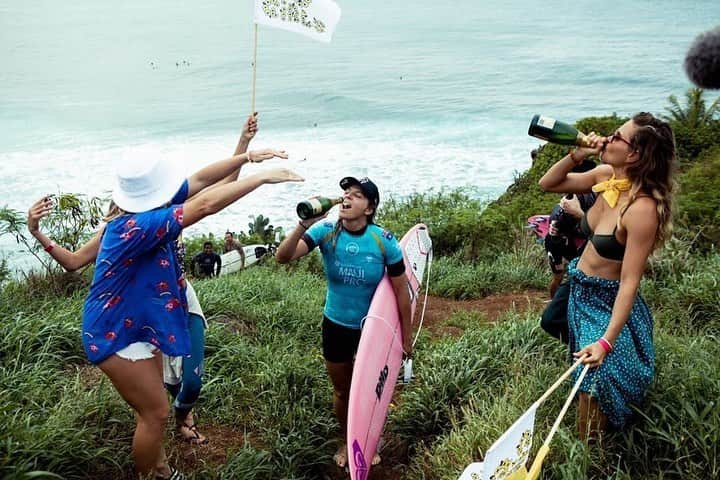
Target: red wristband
[[607, 346], [50, 246]]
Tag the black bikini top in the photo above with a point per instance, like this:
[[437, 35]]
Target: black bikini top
[[607, 246]]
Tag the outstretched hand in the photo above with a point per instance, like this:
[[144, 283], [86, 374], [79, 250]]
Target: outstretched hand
[[39, 210], [257, 156], [281, 175]]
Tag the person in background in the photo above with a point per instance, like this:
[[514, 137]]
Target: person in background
[[563, 243], [233, 244], [206, 263], [564, 240], [610, 326], [356, 253]]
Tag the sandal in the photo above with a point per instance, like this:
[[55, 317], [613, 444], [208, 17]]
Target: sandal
[[196, 438], [174, 475]]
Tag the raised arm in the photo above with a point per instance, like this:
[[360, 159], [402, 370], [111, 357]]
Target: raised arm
[[217, 171], [69, 260], [213, 200], [250, 128], [560, 178], [294, 246]]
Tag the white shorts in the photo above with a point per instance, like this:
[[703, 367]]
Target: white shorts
[[137, 351]]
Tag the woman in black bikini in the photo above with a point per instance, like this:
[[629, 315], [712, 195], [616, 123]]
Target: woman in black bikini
[[609, 323]]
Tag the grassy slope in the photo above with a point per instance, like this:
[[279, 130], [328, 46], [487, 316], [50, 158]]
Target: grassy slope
[[265, 378]]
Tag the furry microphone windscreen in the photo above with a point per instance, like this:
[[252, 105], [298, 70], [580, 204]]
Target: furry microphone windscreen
[[702, 62]]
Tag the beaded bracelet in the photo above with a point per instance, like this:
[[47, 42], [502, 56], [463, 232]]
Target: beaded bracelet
[[572, 156]]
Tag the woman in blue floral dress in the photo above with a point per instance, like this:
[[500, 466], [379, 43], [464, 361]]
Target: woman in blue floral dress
[[137, 305]]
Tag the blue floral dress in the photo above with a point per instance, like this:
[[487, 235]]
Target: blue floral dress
[[627, 372], [138, 290]]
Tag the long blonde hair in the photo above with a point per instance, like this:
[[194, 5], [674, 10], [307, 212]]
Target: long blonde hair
[[653, 173]]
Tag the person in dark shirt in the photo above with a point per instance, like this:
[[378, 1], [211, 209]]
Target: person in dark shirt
[[207, 261], [565, 241]]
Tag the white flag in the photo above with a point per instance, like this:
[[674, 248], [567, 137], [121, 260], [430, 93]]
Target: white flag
[[506, 458], [313, 18]]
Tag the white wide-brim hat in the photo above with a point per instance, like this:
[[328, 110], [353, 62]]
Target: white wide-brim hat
[[142, 184]]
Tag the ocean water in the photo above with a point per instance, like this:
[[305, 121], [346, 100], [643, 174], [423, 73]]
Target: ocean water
[[417, 95]]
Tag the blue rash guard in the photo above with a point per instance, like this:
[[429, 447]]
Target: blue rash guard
[[354, 267]]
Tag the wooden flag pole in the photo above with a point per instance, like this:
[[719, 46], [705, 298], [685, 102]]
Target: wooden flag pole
[[542, 453], [254, 71], [559, 381]]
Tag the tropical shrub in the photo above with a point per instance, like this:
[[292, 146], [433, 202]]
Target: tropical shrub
[[699, 198]]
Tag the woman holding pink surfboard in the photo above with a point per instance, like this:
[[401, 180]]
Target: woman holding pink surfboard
[[355, 254]]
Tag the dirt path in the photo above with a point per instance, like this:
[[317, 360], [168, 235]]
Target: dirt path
[[491, 307], [225, 438]]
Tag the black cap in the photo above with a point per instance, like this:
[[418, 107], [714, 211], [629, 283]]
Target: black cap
[[367, 186]]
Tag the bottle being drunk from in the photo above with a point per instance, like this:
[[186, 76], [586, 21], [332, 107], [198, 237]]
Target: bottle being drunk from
[[554, 131], [316, 206]]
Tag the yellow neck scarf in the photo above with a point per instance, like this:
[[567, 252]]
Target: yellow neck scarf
[[611, 189]]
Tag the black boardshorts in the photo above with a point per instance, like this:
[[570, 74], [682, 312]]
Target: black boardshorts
[[339, 343]]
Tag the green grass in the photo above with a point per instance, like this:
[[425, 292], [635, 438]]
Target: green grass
[[265, 377]]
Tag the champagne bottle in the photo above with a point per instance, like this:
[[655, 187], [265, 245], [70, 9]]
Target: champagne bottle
[[314, 207], [551, 130]]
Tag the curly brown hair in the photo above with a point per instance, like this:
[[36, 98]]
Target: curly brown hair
[[653, 173]]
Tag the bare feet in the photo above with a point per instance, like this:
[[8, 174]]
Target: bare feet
[[340, 456]]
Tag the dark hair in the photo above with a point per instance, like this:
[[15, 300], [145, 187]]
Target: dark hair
[[207, 243], [338, 225], [653, 172], [371, 218]]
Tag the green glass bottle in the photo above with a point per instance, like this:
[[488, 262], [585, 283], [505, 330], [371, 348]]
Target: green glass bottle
[[554, 131], [316, 206]]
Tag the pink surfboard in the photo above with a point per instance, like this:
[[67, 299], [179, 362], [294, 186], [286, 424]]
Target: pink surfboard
[[379, 356], [540, 225]]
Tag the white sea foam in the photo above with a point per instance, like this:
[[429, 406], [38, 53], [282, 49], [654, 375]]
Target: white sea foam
[[399, 164]]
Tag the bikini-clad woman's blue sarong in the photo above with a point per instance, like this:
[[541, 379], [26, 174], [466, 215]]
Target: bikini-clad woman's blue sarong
[[627, 372]]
